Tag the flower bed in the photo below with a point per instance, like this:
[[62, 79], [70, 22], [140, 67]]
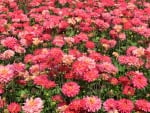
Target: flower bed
[[74, 56]]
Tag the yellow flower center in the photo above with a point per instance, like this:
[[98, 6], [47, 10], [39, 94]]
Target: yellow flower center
[[3, 71], [31, 103]]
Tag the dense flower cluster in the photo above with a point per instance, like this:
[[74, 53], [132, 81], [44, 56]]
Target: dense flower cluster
[[74, 56]]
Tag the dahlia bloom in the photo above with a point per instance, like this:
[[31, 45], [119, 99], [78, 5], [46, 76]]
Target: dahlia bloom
[[19, 49], [37, 41], [58, 41], [89, 62], [7, 54], [80, 37], [9, 42], [76, 105], [19, 67], [128, 90], [106, 67], [91, 75], [18, 16], [124, 80], [52, 22], [143, 105], [46, 37], [80, 67], [129, 51], [63, 1], [130, 60], [6, 74], [94, 55], [125, 106], [28, 58], [14, 108], [43, 81], [139, 81], [108, 2], [69, 75], [122, 36], [75, 52], [133, 50], [107, 44], [90, 45], [70, 89], [92, 104], [114, 81], [67, 59], [56, 56], [69, 40], [33, 105], [139, 52], [57, 98], [104, 58], [110, 105]]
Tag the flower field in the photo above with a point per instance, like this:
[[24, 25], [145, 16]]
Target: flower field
[[74, 56]]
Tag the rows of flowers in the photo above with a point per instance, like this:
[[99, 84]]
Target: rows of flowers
[[74, 56]]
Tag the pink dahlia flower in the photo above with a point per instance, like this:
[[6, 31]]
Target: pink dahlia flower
[[14, 108], [76, 105], [125, 106], [58, 41], [9, 42], [70, 89], [6, 74], [143, 105], [42, 80], [110, 105], [139, 81], [89, 62], [68, 59], [7, 54], [91, 75], [130, 61], [92, 104], [33, 105], [106, 67]]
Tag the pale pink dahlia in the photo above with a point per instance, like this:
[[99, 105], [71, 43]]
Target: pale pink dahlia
[[33, 105], [7, 54], [68, 59], [6, 74], [70, 89], [89, 62], [92, 104], [106, 67], [125, 106]]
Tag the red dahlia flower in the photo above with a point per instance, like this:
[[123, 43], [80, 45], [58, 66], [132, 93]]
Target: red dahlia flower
[[14, 108]]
